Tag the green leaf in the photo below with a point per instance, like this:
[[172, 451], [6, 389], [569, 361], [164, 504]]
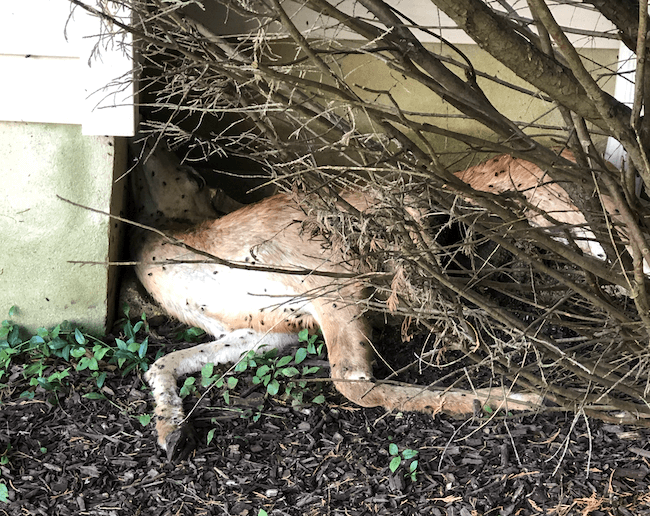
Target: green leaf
[[101, 378], [78, 352], [79, 337], [232, 382], [210, 436], [409, 454], [413, 466], [4, 492], [273, 387], [206, 381], [13, 338], [207, 370], [319, 399], [142, 350], [310, 370], [192, 334], [301, 354], [241, 366], [262, 371], [262, 512], [94, 396], [226, 397], [393, 449], [99, 352], [57, 343], [394, 463], [284, 361], [36, 340], [187, 387], [290, 371], [271, 353], [59, 375], [303, 335], [128, 331], [144, 419], [13, 311], [35, 369]]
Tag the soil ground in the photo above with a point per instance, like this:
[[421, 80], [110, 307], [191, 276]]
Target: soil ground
[[70, 455]]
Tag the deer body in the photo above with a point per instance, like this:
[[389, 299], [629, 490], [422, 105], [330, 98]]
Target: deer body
[[550, 204], [246, 309]]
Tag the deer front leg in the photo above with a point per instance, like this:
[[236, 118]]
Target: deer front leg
[[175, 436]]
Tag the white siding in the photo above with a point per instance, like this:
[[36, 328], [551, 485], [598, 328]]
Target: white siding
[[51, 74]]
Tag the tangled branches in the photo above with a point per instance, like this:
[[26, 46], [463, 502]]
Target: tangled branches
[[325, 96]]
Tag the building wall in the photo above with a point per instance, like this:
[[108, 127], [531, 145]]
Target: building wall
[[41, 234]]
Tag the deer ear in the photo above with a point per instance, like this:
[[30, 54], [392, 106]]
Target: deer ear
[[192, 174]]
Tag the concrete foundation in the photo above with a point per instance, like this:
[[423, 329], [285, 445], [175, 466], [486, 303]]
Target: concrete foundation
[[41, 234]]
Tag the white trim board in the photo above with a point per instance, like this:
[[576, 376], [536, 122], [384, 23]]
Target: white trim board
[[53, 74]]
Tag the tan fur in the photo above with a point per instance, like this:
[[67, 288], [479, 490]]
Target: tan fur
[[507, 174], [244, 309], [550, 205]]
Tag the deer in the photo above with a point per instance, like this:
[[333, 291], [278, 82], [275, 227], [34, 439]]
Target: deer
[[252, 279]]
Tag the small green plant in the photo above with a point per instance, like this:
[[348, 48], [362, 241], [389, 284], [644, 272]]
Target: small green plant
[[144, 419], [83, 351], [407, 456], [210, 436], [192, 334], [274, 372], [283, 375], [4, 490]]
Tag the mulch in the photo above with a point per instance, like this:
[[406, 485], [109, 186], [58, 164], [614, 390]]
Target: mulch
[[70, 455]]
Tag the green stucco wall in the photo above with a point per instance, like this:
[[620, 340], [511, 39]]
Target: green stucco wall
[[413, 97], [41, 234]]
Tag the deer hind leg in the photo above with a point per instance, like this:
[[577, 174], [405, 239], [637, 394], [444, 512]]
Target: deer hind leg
[[173, 433], [350, 357]]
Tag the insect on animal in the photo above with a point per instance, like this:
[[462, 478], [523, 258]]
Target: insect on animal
[[255, 304]]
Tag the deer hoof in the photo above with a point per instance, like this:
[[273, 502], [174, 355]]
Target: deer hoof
[[180, 443]]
